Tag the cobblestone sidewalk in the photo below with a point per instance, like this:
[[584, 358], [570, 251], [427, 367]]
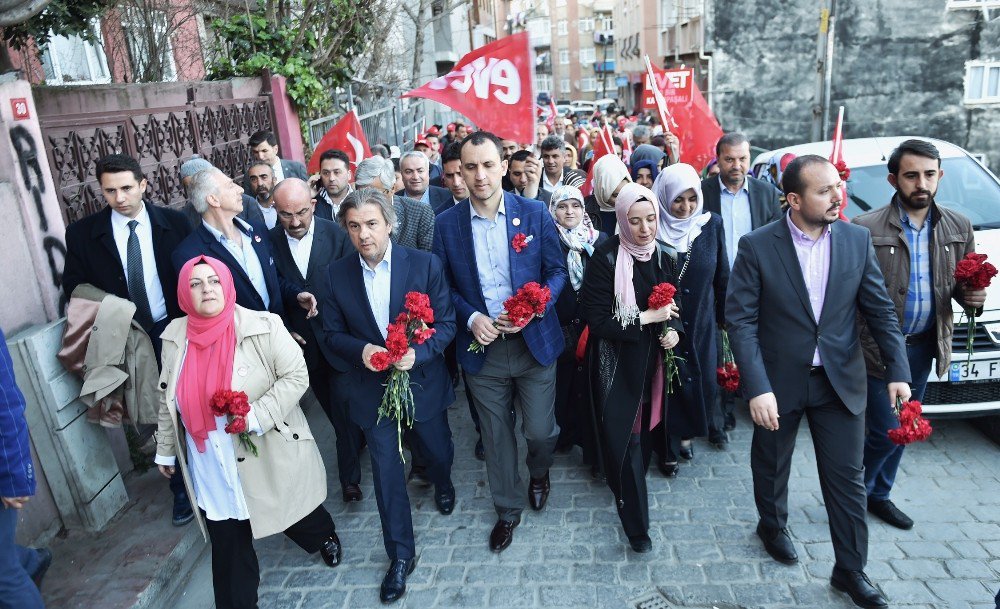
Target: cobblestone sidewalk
[[705, 553]]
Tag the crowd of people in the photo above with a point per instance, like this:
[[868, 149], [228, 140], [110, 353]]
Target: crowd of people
[[289, 282]]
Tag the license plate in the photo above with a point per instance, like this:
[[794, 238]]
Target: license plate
[[980, 370]]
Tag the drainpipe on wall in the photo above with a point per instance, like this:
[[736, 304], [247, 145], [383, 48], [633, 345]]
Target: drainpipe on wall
[[706, 58]]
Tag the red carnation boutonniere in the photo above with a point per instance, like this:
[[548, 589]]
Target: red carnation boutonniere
[[520, 241], [236, 406]]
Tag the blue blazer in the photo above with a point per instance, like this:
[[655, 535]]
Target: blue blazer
[[202, 243], [348, 325], [542, 261]]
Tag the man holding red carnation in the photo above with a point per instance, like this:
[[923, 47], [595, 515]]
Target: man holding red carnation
[[918, 245], [493, 245], [375, 288]]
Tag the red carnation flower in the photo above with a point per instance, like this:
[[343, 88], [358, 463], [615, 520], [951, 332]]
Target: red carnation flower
[[219, 404], [237, 425], [662, 296], [520, 241], [420, 336], [912, 426], [380, 360], [419, 307]]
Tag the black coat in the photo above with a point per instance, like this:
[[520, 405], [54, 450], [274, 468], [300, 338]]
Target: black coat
[[330, 242], [703, 290], [92, 256], [619, 357]]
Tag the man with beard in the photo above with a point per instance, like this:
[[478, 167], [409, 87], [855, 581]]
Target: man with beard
[[261, 178], [918, 243], [795, 293], [745, 204], [451, 178], [415, 168], [335, 183]]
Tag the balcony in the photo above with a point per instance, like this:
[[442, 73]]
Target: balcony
[[604, 67], [604, 37]]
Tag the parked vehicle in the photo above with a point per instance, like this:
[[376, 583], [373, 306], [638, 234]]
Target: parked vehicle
[[972, 388]]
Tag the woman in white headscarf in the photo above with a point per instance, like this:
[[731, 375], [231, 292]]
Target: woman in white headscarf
[[610, 176], [697, 236], [578, 238]]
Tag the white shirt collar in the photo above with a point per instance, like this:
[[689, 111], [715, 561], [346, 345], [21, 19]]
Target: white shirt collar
[[387, 259], [500, 210], [309, 232], [238, 221], [745, 187], [120, 221]]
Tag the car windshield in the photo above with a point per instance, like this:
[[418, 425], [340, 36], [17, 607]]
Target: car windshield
[[966, 187]]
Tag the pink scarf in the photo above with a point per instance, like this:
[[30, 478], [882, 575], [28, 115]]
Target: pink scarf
[[626, 308], [208, 364]]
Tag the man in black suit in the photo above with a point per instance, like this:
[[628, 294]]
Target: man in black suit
[[264, 147], [555, 173], [795, 293], [304, 246], [244, 247], [524, 175], [334, 183], [124, 249], [415, 167], [745, 204]]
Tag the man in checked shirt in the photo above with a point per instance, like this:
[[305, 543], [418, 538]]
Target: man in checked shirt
[[917, 243]]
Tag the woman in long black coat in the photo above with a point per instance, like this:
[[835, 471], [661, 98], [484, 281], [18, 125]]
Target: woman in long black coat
[[697, 236], [626, 352], [578, 238]]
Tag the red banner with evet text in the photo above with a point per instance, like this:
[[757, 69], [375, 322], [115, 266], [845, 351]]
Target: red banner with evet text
[[693, 121], [493, 86], [346, 136]]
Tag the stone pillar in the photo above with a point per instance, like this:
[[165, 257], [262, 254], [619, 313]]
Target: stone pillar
[[286, 122]]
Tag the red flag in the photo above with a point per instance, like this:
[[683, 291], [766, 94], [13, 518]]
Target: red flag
[[837, 158], [683, 111], [347, 136], [550, 121], [493, 86]]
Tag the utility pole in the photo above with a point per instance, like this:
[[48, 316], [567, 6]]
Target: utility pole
[[831, 35], [821, 70]]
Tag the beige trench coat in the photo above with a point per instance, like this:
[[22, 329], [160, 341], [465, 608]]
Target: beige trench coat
[[288, 480]]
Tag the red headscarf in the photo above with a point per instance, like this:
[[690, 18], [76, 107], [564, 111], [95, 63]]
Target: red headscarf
[[208, 365]]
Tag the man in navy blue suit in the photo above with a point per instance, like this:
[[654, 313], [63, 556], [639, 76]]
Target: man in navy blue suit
[[244, 247], [355, 317], [473, 240]]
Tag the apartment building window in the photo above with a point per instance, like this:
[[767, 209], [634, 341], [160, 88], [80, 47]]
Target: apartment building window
[[563, 57], [74, 61], [587, 24], [543, 82], [564, 85], [982, 82], [607, 23], [562, 27], [588, 84], [587, 55]]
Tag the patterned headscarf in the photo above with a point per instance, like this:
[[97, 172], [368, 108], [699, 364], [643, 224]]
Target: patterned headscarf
[[578, 239]]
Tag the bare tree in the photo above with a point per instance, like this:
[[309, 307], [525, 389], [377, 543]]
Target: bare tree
[[149, 38]]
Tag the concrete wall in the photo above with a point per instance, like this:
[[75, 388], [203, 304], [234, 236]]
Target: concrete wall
[[899, 69], [32, 249]]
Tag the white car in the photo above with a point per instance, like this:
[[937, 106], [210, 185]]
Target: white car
[[969, 388]]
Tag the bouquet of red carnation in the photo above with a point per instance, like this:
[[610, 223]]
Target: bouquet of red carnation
[[236, 406], [728, 375], [973, 273], [411, 326], [529, 301], [912, 426], [663, 296]]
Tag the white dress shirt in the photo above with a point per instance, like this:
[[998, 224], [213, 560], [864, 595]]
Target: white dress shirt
[[246, 256], [270, 215], [279, 173], [302, 248], [377, 286], [736, 220], [120, 230]]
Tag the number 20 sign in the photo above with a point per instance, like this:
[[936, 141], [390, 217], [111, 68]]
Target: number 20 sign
[[19, 106]]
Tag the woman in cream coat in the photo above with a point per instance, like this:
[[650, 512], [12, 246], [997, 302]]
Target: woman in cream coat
[[240, 497]]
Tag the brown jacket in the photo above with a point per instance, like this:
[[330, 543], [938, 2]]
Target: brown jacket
[[287, 480], [952, 238]]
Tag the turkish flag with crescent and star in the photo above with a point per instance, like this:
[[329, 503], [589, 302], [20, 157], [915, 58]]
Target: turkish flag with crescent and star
[[493, 86], [346, 136]]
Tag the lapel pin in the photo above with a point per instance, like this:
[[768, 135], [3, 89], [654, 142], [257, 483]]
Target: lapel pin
[[516, 222], [256, 238]]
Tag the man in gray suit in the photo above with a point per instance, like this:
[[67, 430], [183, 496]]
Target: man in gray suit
[[795, 292], [264, 147], [414, 220]]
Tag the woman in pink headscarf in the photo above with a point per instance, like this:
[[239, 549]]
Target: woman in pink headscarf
[[626, 351], [242, 493]]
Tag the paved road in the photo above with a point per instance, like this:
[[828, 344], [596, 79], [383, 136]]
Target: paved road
[[573, 553]]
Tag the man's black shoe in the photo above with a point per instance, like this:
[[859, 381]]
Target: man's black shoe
[[778, 544], [331, 551], [352, 493], [480, 449], [857, 585], [44, 561], [668, 468], [887, 511], [183, 513], [445, 500], [718, 439], [503, 534], [418, 475], [640, 543], [730, 422], [394, 583]]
